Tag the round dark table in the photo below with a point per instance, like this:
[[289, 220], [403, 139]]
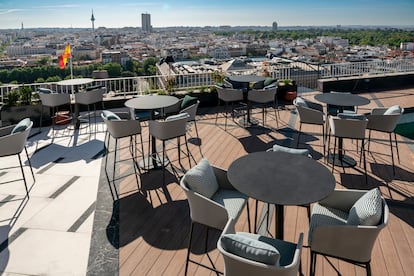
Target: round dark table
[[246, 79], [342, 100], [152, 103], [281, 178]]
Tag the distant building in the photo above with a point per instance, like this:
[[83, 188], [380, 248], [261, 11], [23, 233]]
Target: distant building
[[407, 46], [115, 57], [146, 22], [93, 22], [274, 26]]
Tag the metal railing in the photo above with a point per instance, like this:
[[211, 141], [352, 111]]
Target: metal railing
[[305, 75]]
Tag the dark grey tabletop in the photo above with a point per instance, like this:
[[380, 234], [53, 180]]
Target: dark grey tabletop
[[281, 178], [246, 78], [151, 102], [342, 99]]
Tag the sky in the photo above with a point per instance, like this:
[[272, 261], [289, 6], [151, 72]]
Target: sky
[[127, 13]]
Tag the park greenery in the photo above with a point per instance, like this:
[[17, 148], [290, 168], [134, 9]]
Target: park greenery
[[391, 37], [46, 72]]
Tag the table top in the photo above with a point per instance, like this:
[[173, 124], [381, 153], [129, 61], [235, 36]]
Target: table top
[[79, 81], [342, 99], [281, 178], [246, 78], [150, 102]]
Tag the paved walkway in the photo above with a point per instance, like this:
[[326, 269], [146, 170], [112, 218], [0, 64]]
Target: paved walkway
[[50, 234]]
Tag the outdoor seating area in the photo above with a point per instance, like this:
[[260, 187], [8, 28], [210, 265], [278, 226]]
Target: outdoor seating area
[[183, 193]]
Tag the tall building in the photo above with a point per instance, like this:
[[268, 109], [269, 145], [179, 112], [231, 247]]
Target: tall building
[[274, 26], [146, 22], [93, 21]]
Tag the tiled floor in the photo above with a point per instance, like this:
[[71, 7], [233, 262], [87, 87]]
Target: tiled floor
[[50, 234]]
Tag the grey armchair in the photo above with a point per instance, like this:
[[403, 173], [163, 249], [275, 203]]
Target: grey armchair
[[264, 98], [312, 114], [333, 233], [54, 101], [229, 96], [118, 127], [385, 120], [13, 141], [89, 98], [192, 118], [212, 200], [247, 254]]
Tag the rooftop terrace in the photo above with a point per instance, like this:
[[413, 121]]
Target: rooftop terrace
[[71, 226]]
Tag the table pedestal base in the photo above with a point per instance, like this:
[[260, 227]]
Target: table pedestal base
[[346, 162], [152, 162]]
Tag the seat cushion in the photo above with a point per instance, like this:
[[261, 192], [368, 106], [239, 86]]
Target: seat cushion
[[201, 179], [301, 102], [352, 116], [177, 117], [232, 200], [109, 115], [188, 100], [367, 210], [395, 109], [252, 249], [277, 148], [325, 216], [21, 126]]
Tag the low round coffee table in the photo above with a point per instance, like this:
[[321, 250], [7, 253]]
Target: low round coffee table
[[281, 178]]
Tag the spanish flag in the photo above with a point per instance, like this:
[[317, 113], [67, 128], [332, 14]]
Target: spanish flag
[[64, 57]]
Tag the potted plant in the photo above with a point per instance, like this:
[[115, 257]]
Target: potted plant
[[21, 103], [286, 90]]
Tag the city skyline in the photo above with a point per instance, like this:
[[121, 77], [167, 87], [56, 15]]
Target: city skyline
[[127, 13]]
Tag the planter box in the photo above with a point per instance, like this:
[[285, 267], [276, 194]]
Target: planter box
[[11, 115], [281, 90]]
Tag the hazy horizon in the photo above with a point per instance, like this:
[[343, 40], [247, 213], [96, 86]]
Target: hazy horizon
[[127, 13]]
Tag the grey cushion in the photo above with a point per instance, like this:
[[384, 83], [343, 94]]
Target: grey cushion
[[367, 210], [109, 115], [352, 116], [177, 116], [301, 102], [201, 179], [395, 109], [326, 216], [232, 200], [21, 126], [251, 249], [278, 148]]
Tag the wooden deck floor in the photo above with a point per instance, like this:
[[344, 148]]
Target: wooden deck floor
[[154, 228]]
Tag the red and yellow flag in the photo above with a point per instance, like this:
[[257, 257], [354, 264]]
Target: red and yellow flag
[[64, 57]]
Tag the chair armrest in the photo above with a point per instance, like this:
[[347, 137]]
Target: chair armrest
[[342, 199], [6, 130], [204, 210], [345, 241]]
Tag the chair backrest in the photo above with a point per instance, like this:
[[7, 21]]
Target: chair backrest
[[229, 94], [235, 265], [380, 122], [119, 128], [262, 95], [14, 142], [348, 128], [168, 129], [173, 109], [90, 97], [279, 148], [309, 115], [54, 99], [191, 111]]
